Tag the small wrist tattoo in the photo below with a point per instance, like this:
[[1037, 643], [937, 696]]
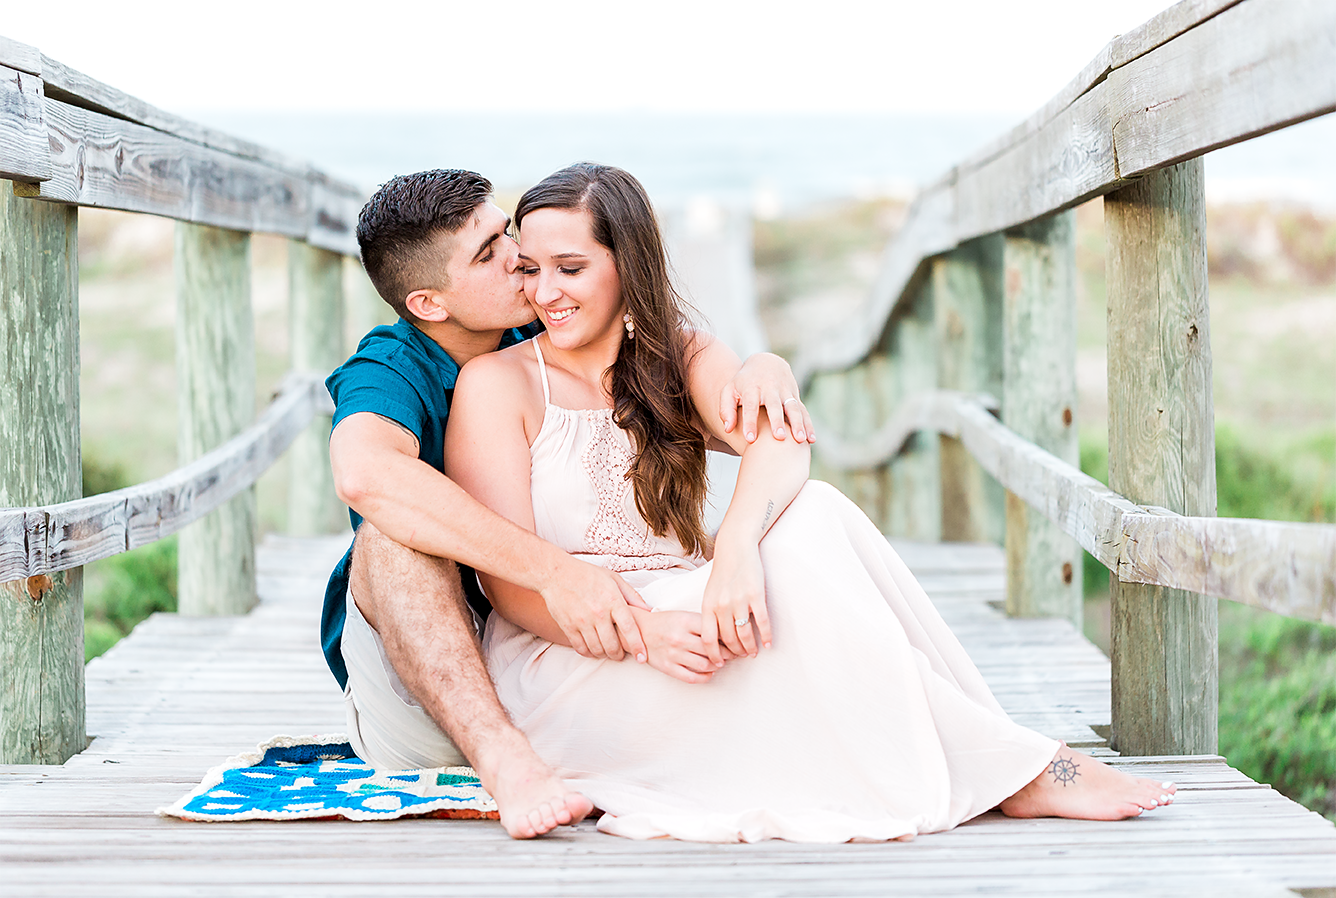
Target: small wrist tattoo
[[1064, 770], [769, 510]]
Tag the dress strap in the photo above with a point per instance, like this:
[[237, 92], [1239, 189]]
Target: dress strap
[[542, 372]]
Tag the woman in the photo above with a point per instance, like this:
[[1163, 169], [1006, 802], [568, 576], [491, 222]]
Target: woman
[[812, 692]]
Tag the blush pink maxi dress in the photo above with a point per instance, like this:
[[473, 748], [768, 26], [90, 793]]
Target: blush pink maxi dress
[[866, 720]]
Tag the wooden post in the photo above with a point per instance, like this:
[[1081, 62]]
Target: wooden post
[[1039, 402], [41, 619], [365, 308], [828, 397], [215, 373], [914, 510], [315, 332], [967, 295], [1161, 452]]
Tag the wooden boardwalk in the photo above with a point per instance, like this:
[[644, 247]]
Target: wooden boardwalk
[[181, 694]]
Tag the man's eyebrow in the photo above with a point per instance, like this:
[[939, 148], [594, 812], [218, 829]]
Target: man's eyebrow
[[486, 244], [558, 256]]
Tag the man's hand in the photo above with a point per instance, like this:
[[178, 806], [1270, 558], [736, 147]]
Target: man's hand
[[765, 379], [592, 606]]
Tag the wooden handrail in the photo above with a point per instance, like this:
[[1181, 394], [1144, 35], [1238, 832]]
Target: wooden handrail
[[1281, 566], [46, 539], [68, 138], [1202, 75]]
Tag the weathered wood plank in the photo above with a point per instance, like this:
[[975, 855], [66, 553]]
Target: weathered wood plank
[[1256, 67], [1161, 452], [69, 534], [16, 55], [98, 160], [334, 207], [315, 339], [41, 619], [1279, 566], [1038, 403], [25, 154], [215, 375], [1154, 33], [71, 86]]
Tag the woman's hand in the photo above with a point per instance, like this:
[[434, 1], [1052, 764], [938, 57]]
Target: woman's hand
[[765, 381], [675, 645], [734, 600]]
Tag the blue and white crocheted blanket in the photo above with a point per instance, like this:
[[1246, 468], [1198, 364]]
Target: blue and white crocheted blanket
[[319, 776]]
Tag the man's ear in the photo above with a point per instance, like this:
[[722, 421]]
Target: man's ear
[[427, 305]]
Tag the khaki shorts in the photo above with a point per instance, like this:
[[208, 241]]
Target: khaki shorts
[[387, 728]]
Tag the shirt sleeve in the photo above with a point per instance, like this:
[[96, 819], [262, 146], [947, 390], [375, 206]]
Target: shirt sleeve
[[368, 385]]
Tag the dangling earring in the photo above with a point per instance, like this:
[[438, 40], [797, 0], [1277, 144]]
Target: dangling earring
[[630, 326]]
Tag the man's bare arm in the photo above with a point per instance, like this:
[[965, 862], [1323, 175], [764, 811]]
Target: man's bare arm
[[378, 474]]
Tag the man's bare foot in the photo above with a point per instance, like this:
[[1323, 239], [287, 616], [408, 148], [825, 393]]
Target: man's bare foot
[[1078, 786], [531, 798]]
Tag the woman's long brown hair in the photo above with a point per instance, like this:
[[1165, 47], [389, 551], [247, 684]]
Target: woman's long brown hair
[[648, 381]]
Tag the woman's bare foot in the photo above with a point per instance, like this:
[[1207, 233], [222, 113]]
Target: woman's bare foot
[[531, 798], [1076, 785]]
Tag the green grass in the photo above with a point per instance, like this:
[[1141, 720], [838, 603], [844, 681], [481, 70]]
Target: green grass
[[1278, 703], [121, 591]]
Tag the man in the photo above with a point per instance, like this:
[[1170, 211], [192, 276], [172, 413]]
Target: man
[[402, 612]]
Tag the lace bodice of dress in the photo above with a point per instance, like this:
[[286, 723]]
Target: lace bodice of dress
[[582, 499]]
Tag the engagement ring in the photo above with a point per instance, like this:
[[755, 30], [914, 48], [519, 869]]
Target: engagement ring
[[741, 622]]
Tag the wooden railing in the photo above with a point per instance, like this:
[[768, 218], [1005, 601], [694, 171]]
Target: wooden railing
[[68, 141], [976, 295]]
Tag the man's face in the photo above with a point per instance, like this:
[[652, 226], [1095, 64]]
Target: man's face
[[486, 289]]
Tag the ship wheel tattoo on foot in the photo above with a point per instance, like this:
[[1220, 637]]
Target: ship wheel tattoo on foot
[[1064, 770]]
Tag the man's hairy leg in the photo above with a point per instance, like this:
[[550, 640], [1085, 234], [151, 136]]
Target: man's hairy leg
[[417, 605]]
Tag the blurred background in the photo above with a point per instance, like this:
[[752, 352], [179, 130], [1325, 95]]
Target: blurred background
[[782, 143]]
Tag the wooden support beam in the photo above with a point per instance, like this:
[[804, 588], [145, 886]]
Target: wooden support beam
[[1039, 403], [41, 618], [215, 372], [967, 287], [315, 334], [364, 307], [1161, 453], [914, 509], [828, 398]]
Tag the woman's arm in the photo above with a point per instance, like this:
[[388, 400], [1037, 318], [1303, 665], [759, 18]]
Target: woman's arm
[[495, 414], [487, 453], [771, 474]]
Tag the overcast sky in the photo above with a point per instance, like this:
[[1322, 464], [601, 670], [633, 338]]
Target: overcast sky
[[954, 56]]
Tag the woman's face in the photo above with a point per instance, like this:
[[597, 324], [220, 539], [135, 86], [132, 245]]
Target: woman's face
[[570, 278]]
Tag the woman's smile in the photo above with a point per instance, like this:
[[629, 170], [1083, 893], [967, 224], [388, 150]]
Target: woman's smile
[[566, 271]]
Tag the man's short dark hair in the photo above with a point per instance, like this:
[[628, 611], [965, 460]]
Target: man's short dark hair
[[399, 229]]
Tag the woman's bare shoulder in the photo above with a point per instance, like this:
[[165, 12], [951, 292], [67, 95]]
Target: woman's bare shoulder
[[505, 367], [499, 386]]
